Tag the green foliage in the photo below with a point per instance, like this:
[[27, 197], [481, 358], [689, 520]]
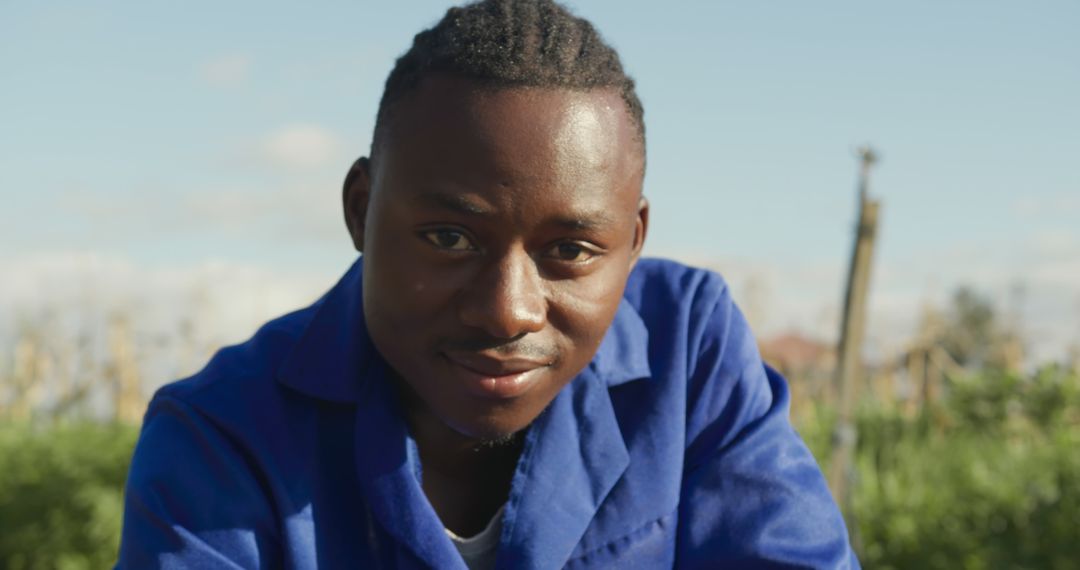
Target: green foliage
[[972, 327], [61, 494], [988, 479]]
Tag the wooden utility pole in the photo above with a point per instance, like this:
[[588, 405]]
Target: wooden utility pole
[[849, 352]]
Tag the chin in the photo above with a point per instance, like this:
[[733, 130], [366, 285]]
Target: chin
[[488, 432]]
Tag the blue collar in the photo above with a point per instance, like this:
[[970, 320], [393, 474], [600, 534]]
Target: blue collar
[[574, 452], [334, 354]]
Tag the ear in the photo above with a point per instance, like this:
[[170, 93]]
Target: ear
[[354, 198], [641, 227]]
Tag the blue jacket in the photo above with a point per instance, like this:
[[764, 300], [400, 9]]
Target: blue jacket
[[671, 449]]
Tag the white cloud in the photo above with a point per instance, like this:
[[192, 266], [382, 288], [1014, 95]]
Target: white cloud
[[1036, 207], [306, 209], [236, 295], [301, 145], [1038, 281], [1054, 242], [179, 314], [228, 70], [777, 297], [218, 302]]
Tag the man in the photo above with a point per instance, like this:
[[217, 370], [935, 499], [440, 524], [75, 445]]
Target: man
[[499, 381]]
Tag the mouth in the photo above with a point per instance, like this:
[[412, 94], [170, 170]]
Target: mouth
[[495, 378]]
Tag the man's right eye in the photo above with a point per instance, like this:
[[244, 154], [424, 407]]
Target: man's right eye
[[449, 239]]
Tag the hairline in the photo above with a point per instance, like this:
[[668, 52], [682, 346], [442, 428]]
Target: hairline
[[385, 118]]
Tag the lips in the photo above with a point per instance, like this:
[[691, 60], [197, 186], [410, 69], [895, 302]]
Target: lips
[[492, 377]]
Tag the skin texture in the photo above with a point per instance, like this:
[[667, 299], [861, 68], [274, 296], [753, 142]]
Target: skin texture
[[498, 228]]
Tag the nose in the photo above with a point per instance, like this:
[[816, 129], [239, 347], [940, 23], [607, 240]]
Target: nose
[[506, 297]]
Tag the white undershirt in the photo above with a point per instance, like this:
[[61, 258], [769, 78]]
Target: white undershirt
[[479, 550]]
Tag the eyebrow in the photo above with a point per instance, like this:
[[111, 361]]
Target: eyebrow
[[586, 222], [462, 204], [456, 203]]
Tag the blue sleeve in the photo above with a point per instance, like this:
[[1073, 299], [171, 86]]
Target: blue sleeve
[[753, 496], [192, 501]]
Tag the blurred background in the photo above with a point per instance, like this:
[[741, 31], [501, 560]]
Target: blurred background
[[170, 177]]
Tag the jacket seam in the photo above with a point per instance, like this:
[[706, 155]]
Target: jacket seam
[[622, 537]]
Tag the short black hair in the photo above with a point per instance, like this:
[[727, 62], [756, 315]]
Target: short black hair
[[511, 43]]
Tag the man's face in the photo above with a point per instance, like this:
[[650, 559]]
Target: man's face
[[498, 229]]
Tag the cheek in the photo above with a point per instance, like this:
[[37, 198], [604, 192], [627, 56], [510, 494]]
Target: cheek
[[392, 274], [402, 290], [583, 309], [406, 293]]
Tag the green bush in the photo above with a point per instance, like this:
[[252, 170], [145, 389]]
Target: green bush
[[61, 491], [989, 478]]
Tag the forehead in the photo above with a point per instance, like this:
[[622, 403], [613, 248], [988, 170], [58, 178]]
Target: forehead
[[550, 139]]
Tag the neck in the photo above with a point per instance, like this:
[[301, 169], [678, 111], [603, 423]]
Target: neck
[[453, 454], [465, 479]]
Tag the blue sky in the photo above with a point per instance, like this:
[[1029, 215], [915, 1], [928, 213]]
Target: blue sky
[[163, 137]]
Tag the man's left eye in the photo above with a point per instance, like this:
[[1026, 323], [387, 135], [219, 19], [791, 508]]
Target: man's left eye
[[571, 251]]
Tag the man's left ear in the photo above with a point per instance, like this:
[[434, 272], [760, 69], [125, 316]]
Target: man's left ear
[[641, 227], [354, 199]]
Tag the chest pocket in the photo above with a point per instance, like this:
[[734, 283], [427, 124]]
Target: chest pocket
[[650, 545]]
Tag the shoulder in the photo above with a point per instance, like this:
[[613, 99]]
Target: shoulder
[[664, 283], [219, 432], [198, 488], [243, 370], [700, 340], [683, 306], [249, 392]]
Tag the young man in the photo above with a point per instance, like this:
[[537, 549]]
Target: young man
[[499, 381]]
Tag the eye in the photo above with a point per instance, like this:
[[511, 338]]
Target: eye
[[572, 251], [449, 239]]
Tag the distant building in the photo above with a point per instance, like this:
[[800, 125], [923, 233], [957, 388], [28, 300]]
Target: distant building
[[807, 363]]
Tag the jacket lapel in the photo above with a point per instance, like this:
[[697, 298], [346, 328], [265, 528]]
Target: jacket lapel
[[574, 454], [331, 354], [388, 466]]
